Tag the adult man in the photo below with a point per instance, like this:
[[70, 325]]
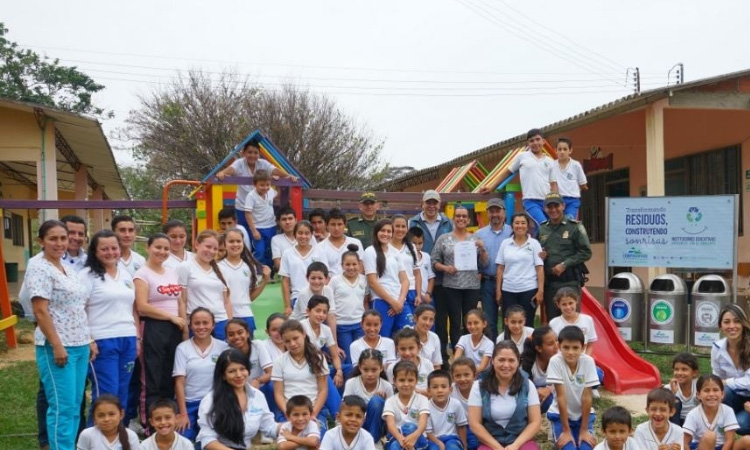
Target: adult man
[[75, 257], [433, 224], [492, 235], [362, 227], [567, 248], [124, 228], [537, 176]]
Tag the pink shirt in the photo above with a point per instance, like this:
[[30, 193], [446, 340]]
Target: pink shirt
[[163, 290]]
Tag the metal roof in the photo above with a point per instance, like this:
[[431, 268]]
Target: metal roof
[[80, 141], [616, 107]]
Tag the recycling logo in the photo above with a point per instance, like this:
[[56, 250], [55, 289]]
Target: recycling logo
[[662, 312]]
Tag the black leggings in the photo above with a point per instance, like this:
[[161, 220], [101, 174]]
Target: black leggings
[[160, 341], [459, 302]]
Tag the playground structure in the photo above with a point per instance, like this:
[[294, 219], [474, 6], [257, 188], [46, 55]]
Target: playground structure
[[625, 371]]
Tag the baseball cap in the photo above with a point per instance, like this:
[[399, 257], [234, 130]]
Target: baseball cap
[[431, 195], [553, 198], [368, 197], [496, 202]]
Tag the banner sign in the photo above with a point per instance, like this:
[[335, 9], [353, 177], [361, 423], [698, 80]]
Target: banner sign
[[682, 232]]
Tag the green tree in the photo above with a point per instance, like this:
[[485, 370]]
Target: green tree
[[29, 77]]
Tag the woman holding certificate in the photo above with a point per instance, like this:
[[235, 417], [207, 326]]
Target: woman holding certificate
[[458, 255], [520, 270]]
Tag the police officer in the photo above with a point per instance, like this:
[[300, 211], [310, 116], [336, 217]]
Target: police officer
[[363, 226], [567, 248]]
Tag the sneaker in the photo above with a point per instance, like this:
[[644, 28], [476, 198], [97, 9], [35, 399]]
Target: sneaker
[[266, 440], [136, 427]]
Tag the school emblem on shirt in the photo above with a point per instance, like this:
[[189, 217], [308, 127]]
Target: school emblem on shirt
[[245, 272], [214, 358], [451, 417], [580, 380], [129, 284], [421, 378], [414, 414]]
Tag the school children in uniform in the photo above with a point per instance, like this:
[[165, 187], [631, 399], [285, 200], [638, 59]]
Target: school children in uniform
[[617, 426], [349, 294], [317, 276], [712, 424], [372, 321], [475, 345], [424, 262], [108, 431], [447, 424], [658, 431], [176, 231], [259, 215], [240, 337], [424, 321], [407, 255], [162, 416], [567, 300], [299, 432], [464, 372], [349, 435], [685, 372], [321, 335], [570, 177], [515, 327], [125, 230], [337, 243], [538, 352], [408, 348], [406, 414], [294, 263], [369, 384]]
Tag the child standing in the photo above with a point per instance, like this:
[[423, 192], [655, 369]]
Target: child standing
[[368, 383], [300, 431], [424, 262], [617, 425], [294, 263], [371, 324], [302, 370], [407, 346], [284, 240], [108, 430], [337, 243], [245, 276], [683, 385], [407, 254], [447, 425], [176, 231], [712, 425], [424, 318], [321, 335], [349, 295], [535, 361], [570, 177], [573, 374], [317, 277], [406, 413], [475, 345], [261, 221], [659, 433], [162, 416], [515, 327], [464, 372], [349, 435], [567, 300]]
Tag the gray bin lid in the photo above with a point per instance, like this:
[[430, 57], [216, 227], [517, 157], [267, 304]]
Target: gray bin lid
[[668, 283], [711, 284], [626, 283]]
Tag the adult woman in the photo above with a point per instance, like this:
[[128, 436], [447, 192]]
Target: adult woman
[[387, 279], [157, 297], [62, 335], [460, 287], [730, 360], [520, 270], [203, 284], [233, 412], [110, 307], [504, 405]]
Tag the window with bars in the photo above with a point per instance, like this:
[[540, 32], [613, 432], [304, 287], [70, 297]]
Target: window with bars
[[16, 224]]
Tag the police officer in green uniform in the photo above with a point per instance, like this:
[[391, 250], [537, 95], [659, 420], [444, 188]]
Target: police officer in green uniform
[[362, 227], [567, 248]]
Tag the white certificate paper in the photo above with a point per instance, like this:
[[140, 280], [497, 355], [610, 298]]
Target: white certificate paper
[[465, 255]]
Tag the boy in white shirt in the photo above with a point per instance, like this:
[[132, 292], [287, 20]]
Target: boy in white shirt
[[260, 217], [335, 244], [124, 229], [285, 239], [301, 431], [349, 435], [659, 433], [424, 262], [617, 425], [406, 414], [571, 179], [162, 415], [573, 374], [446, 427], [321, 334]]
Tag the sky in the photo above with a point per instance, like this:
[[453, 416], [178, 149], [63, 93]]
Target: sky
[[431, 79]]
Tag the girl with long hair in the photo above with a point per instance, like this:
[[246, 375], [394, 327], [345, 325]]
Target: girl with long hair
[[108, 430], [407, 254], [294, 263], [177, 233]]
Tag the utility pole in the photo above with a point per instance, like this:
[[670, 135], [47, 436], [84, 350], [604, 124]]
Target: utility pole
[[637, 80]]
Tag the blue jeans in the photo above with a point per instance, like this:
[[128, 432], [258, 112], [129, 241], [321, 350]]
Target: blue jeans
[[192, 413], [345, 335], [262, 247], [391, 324], [407, 429], [575, 430], [112, 369], [63, 387], [572, 205], [736, 402], [547, 403], [374, 424], [451, 441], [471, 439], [535, 208], [489, 306]]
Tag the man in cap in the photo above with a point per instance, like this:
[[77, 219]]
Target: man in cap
[[567, 248], [492, 235], [434, 225], [363, 226]]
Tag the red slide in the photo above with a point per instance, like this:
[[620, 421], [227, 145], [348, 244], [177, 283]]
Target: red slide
[[624, 371]]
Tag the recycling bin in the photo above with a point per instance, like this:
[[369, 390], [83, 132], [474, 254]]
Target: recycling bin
[[667, 310], [625, 303], [710, 293]]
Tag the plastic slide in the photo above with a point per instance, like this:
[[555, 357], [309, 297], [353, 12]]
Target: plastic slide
[[624, 371]]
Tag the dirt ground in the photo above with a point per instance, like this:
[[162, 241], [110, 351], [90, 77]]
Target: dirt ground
[[24, 351]]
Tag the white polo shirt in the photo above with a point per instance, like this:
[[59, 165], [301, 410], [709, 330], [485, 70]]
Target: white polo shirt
[[354, 386], [334, 440], [299, 311], [135, 262], [570, 179], [476, 353], [519, 263], [294, 266], [197, 367], [109, 304], [646, 439], [424, 369], [445, 421], [241, 169], [268, 353], [409, 412], [349, 298], [385, 345], [280, 243], [404, 256], [297, 377], [261, 208], [390, 279], [173, 261], [696, 423], [324, 338], [584, 322], [239, 279], [574, 384], [431, 349], [536, 174], [333, 253], [203, 288]]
